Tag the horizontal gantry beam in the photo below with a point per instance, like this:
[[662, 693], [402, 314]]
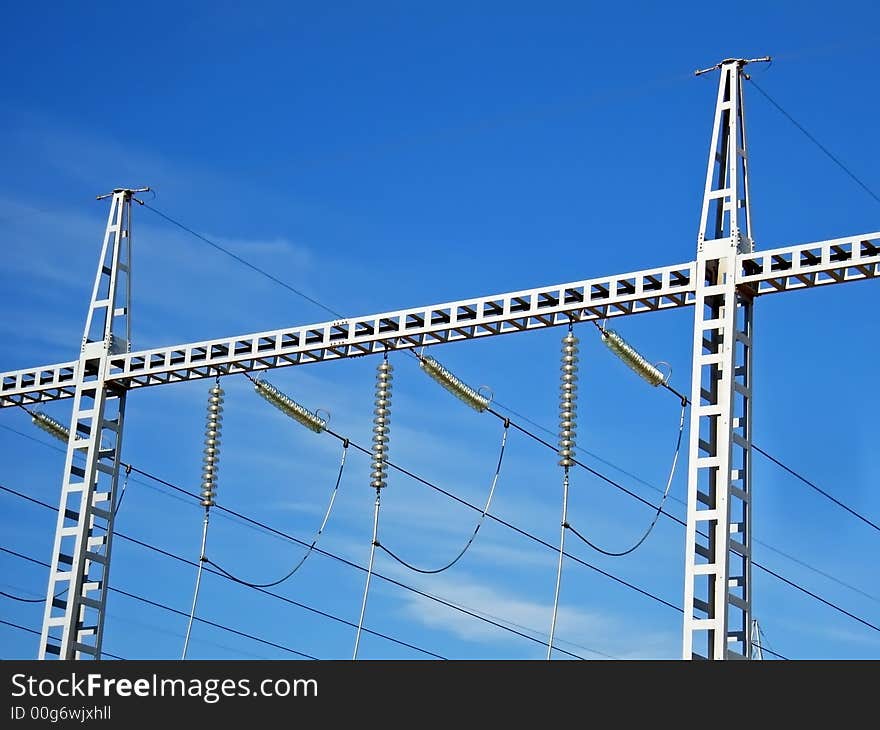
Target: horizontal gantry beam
[[766, 272], [811, 264]]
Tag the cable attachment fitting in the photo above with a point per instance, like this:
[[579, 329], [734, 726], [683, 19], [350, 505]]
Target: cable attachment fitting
[[213, 426], [568, 400], [381, 425]]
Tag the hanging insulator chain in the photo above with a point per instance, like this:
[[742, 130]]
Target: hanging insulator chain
[[568, 400], [289, 406], [51, 426], [454, 385], [381, 425], [212, 445], [632, 358]]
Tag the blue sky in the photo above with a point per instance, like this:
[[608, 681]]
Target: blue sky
[[386, 156]]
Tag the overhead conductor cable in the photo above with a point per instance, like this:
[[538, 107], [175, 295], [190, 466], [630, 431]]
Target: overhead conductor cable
[[313, 422], [378, 470], [209, 486], [479, 403], [567, 437]]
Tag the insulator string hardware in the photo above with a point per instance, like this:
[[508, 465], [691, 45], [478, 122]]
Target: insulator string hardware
[[632, 358], [288, 405], [213, 427], [381, 425], [568, 400], [482, 517], [461, 390], [311, 547], [50, 425]]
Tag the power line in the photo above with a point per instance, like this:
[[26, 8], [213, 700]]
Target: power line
[[814, 595], [683, 523], [461, 609], [815, 141], [152, 627], [194, 564], [21, 599], [296, 291], [216, 625], [37, 633], [761, 451], [237, 650], [766, 650], [669, 515], [255, 524], [515, 529], [244, 262], [604, 477], [267, 642], [509, 526], [764, 647], [539, 540], [424, 594], [821, 491], [220, 573], [302, 560], [610, 575], [817, 571], [592, 454], [448, 565], [168, 608], [647, 532]]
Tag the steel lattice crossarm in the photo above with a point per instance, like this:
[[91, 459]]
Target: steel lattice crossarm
[[765, 272], [721, 286]]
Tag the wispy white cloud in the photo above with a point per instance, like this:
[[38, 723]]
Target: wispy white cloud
[[600, 631]]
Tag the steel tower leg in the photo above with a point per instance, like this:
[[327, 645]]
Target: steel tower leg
[[717, 593], [73, 620]]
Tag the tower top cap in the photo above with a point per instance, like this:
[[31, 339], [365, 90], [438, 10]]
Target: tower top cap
[[740, 62]]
